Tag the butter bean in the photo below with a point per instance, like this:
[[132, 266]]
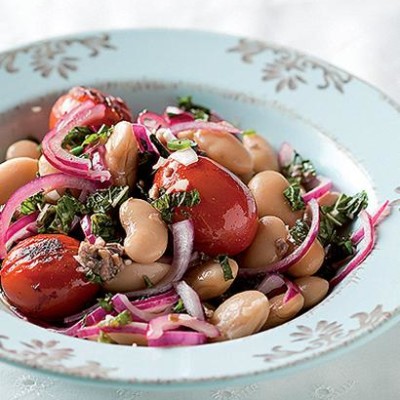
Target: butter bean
[[241, 315], [267, 188], [14, 174], [146, 233], [208, 279]]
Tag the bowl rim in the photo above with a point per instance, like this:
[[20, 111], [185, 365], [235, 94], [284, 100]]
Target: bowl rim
[[313, 359]]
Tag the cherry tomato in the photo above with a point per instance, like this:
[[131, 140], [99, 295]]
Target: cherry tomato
[[225, 220], [116, 111], [39, 276]]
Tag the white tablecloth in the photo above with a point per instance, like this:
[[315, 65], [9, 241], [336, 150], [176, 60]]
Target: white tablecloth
[[360, 36]]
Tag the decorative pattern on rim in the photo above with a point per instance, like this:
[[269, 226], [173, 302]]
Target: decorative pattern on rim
[[326, 334], [54, 55], [289, 68], [49, 355]]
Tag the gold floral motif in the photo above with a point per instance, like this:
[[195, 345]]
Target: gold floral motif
[[325, 334], [289, 68], [53, 55], [49, 355]]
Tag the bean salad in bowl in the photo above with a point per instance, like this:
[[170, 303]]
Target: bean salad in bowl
[[169, 229]]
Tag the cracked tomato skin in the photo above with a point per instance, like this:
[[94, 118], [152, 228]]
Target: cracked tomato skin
[[225, 220], [40, 278], [116, 109]]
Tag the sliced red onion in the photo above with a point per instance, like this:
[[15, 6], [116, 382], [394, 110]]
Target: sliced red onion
[[158, 303], [285, 155], [183, 235], [291, 292], [186, 157], [88, 332], [143, 138], [178, 338], [86, 225], [270, 283], [91, 315], [365, 247], [21, 229], [196, 125], [44, 183], [324, 186], [276, 281], [174, 116], [84, 115], [169, 322], [135, 328], [151, 120], [381, 213], [121, 303], [284, 264], [191, 300]]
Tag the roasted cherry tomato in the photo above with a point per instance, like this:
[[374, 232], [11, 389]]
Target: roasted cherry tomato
[[225, 220], [39, 276], [116, 111]]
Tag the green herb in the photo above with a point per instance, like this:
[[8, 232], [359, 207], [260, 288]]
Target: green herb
[[58, 218], [159, 146], [104, 338], [226, 268], [346, 208], [105, 200], [91, 276], [104, 226], [31, 204], [300, 171], [80, 137], [199, 112], [249, 132], [167, 202], [180, 144], [148, 282], [293, 195], [75, 137], [179, 307], [299, 231], [123, 318], [106, 302]]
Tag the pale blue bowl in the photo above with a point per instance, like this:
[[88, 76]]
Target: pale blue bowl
[[348, 128]]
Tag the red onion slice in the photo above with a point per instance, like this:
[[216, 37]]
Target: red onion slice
[[86, 226], [158, 303], [365, 247], [151, 120], [178, 338], [324, 186], [191, 300], [276, 281], [381, 213], [270, 283], [142, 137], [169, 322], [121, 303], [85, 114], [285, 155], [139, 328], [21, 229], [287, 262], [44, 183], [183, 234]]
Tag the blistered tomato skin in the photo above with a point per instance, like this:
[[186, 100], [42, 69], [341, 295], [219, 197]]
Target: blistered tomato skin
[[116, 109], [39, 276], [225, 220]]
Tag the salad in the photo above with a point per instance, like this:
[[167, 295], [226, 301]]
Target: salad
[[169, 229]]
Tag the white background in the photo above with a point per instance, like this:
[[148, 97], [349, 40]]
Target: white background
[[361, 36]]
